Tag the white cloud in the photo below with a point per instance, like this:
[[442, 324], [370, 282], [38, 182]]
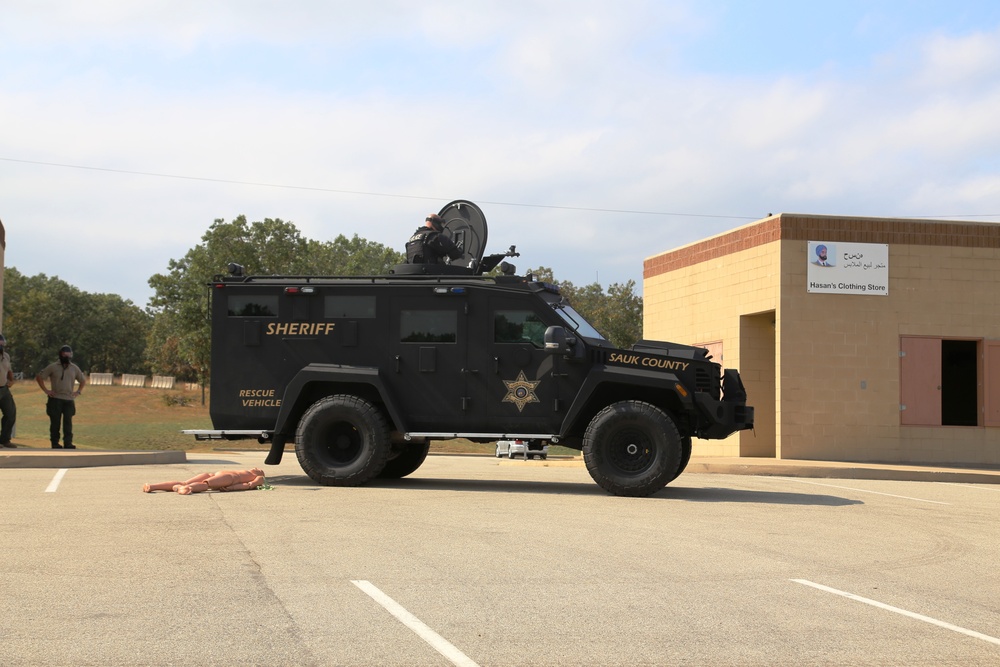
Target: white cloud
[[949, 60], [504, 102]]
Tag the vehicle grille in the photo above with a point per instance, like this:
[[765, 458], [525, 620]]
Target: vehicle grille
[[703, 381]]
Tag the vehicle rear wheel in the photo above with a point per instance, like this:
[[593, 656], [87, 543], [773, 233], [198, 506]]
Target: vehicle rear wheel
[[409, 459], [510, 453], [632, 448], [342, 440]]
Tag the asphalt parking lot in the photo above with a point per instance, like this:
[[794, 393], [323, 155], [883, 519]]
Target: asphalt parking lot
[[477, 561]]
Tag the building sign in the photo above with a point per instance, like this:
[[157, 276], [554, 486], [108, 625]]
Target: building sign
[[848, 268]]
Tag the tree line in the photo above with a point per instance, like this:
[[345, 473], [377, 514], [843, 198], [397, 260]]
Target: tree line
[[172, 335], [42, 313]]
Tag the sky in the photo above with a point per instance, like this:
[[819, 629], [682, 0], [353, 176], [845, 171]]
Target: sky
[[593, 134]]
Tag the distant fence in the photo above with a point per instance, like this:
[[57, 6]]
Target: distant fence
[[133, 380], [162, 382]]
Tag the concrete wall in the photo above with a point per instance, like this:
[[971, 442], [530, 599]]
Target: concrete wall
[[840, 364], [825, 379]]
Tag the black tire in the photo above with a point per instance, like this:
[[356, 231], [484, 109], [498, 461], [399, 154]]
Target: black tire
[[342, 440], [632, 448], [409, 459], [510, 454], [685, 457]]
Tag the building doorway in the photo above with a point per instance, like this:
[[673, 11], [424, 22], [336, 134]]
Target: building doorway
[[759, 371]]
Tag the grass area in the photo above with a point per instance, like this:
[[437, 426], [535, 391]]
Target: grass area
[[134, 419], [116, 418]]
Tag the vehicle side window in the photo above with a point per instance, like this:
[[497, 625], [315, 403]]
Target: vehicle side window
[[353, 307], [428, 326], [240, 305], [518, 326]]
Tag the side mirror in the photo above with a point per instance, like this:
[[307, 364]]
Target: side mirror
[[557, 341]]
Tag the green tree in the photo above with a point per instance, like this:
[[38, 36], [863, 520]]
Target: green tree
[[163, 349], [351, 257], [41, 314], [179, 342], [622, 316], [112, 332], [31, 319]]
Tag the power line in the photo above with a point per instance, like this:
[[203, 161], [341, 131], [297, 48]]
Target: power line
[[367, 194], [425, 198]]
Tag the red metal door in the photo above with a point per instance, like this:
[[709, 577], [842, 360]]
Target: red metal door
[[920, 381]]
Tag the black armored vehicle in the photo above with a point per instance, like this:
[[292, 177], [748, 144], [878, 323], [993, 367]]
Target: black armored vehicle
[[361, 373]]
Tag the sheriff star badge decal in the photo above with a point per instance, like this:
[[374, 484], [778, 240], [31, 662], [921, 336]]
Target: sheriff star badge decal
[[521, 391]]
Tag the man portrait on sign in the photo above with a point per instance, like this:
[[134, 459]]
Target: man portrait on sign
[[822, 257]]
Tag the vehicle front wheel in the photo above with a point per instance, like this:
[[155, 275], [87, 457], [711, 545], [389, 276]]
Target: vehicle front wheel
[[632, 448], [342, 440], [685, 457]]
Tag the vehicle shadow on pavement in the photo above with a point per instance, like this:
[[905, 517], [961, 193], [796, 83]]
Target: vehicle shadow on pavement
[[699, 495], [434, 484], [720, 495], [491, 486]]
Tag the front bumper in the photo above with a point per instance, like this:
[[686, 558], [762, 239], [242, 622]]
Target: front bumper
[[720, 419]]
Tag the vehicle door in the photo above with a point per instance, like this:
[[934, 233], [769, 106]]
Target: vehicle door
[[427, 355], [524, 385]]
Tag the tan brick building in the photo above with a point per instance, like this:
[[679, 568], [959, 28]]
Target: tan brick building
[[859, 339]]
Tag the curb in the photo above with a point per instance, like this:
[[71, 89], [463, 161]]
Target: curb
[[41, 458], [842, 470], [814, 469]]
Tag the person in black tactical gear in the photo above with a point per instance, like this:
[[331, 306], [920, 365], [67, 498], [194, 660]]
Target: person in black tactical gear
[[7, 406], [64, 375], [428, 245]]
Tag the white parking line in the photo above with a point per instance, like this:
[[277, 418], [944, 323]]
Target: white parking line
[[54, 484], [437, 642], [985, 487], [877, 493], [919, 617]]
